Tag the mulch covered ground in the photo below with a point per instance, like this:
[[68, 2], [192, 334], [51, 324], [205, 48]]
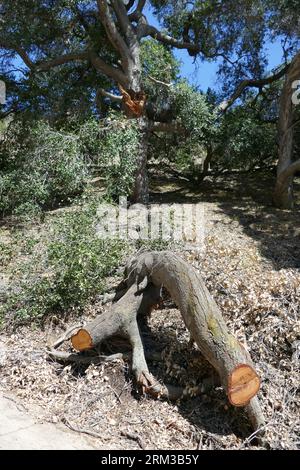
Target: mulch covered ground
[[251, 266]]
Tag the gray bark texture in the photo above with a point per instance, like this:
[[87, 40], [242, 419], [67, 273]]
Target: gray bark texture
[[145, 275], [141, 184], [286, 168]]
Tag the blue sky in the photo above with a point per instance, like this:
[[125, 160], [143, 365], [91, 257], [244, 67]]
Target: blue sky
[[203, 74]]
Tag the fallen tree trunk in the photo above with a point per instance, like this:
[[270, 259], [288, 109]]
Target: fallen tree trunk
[[145, 275], [120, 319], [207, 327]]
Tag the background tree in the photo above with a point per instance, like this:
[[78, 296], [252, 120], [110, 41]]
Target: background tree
[[98, 46], [104, 36], [245, 29]]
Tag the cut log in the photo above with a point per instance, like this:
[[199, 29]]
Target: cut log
[[243, 383], [119, 319], [82, 340], [145, 276], [207, 327]]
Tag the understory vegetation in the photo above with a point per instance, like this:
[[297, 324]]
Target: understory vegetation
[[78, 165], [99, 108], [62, 269], [61, 263], [43, 167]]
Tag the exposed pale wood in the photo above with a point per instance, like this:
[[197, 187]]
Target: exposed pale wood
[[134, 437], [63, 356], [244, 383], [82, 340], [133, 102]]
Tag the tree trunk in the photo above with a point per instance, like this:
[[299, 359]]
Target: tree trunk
[[141, 185], [118, 319], [283, 193], [206, 163], [144, 276], [136, 109]]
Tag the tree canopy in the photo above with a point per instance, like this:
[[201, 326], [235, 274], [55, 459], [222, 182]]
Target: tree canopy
[[76, 59]]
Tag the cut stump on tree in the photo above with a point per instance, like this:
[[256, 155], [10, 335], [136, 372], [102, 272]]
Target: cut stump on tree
[[145, 275]]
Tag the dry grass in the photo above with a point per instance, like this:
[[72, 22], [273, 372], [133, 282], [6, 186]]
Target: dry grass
[[251, 267]]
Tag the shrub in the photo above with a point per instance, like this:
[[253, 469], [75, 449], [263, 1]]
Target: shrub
[[69, 271], [187, 152], [41, 167], [111, 146], [245, 140]]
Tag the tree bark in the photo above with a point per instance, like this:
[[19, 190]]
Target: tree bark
[[207, 327], [125, 38], [141, 183], [145, 275], [283, 193], [140, 192], [119, 319]]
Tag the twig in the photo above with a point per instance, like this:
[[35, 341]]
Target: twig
[[159, 82], [82, 431], [134, 437], [116, 394], [96, 359], [79, 359], [19, 406], [258, 433]]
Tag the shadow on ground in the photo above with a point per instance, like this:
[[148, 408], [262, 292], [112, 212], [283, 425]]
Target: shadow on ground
[[246, 199], [210, 411]]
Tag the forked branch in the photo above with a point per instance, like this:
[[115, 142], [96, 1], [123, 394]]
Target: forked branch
[[145, 275]]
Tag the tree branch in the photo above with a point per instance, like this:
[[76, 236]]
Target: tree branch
[[108, 70], [289, 171], [111, 30], [129, 5], [139, 9], [123, 20], [44, 66], [140, 6], [20, 51], [253, 83], [159, 82], [137, 13], [109, 95], [147, 30]]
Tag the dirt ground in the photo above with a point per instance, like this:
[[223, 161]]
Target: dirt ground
[[251, 265]]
